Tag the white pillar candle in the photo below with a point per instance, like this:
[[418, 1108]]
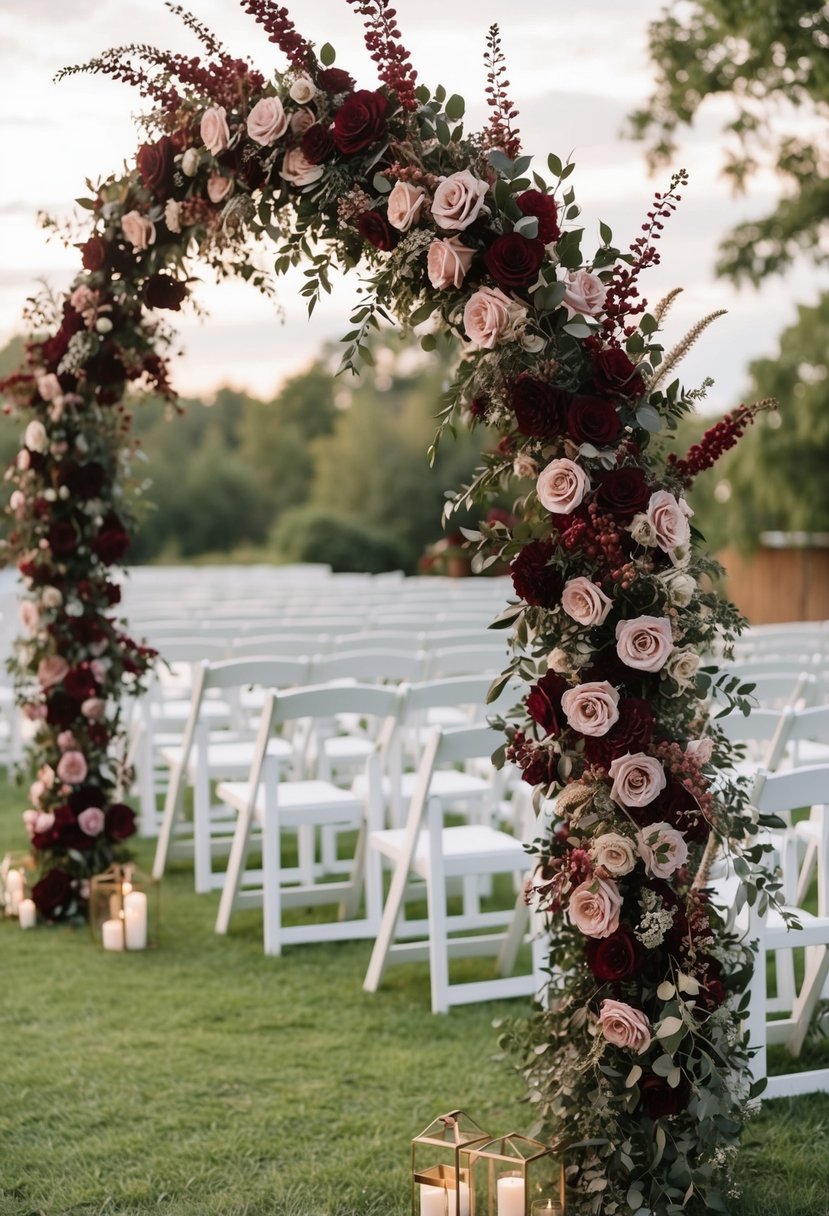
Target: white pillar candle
[[432, 1201], [463, 1197], [510, 1196], [27, 913], [113, 931], [14, 892], [135, 920]]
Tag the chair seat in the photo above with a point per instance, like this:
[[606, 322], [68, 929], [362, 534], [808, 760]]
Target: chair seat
[[299, 802], [226, 757], [448, 785], [467, 848], [341, 748]]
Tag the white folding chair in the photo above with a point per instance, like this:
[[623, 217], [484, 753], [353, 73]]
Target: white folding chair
[[488, 657], [427, 850], [203, 756], [280, 806]]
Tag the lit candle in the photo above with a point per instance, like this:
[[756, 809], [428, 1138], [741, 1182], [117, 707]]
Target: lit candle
[[546, 1207], [113, 931], [14, 891], [27, 913], [135, 920], [432, 1201], [511, 1195]]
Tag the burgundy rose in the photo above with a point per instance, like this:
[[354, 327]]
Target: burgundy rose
[[85, 796], [94, 253], [544, 703], [615, 957], [163, 291], [537, 406], [84, 481], [87, 630], [677, 806], [533, 578], [62, 537], [614, 373], [67, 832], [360, 121], [660, 1100], [713, 992], [79, 683], [593, 420], [112, 542], [61, 710], [109, 369], [155, 165], [98, 736], [111, 593], [119, 823], [53, 893], [631, 733], [335, 80], [537, 763], [623, 492], [513, 260], [317, 144], [54, 348], [543, 207], [376, 229]]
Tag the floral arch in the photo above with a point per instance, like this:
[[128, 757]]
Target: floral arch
[[638, 1067]]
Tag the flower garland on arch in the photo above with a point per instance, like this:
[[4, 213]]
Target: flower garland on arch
[[637, 1068]]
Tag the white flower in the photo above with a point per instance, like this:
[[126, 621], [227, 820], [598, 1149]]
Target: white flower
[[302, 90], [172, 215], [190, 162], [614, 853]]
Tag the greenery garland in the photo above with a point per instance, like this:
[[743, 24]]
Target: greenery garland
[[637, 1068]]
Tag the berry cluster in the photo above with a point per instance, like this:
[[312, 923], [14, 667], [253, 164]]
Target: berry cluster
[[500, 132], [717, 439], [382, 39], [282, 32]]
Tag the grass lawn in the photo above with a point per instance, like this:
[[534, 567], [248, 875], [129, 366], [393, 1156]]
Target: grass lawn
[[202, 1079]]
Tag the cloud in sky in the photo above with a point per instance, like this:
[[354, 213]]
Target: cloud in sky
[[575, 73]]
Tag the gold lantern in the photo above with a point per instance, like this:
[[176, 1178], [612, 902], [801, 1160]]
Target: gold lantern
[[123, 908], [513, 1176], [440, 1186], [16, 871]]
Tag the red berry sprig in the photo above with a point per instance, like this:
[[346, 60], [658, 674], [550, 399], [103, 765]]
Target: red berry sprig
[[382, 39], [717, 439]]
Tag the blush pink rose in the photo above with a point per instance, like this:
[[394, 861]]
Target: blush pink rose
[[624, 1026], [93, 708], [301, 120], [662, 848], [17, 504], [458, 201], [91, 821], [267, 121], [219, 188], [99, 669], [44, 822], [214, 130], [35, 436], [51, 670], [669, 519], [614, 853], [29, 615], [405, 203], [490, 317], [29, 821], [594, 907], [67, 741], [586, 603], [298, 170], [584, 293], [591, 708], [700, 750], [447, 262], [72, 768], [562, 486], [49, 386], [637, 779], [644, 642], [138, 229]]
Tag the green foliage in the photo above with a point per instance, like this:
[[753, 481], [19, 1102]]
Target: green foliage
[[308, 534], [770, 61]]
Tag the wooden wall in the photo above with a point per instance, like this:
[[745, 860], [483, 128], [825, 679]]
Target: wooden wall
[[779, 584]]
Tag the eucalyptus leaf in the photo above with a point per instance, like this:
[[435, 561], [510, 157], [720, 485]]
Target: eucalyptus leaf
[[649, 418]]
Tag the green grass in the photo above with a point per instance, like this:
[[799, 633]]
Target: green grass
[[202, 1079]]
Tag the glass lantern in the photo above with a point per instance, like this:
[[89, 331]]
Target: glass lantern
[[513, 1176], [16, 870], [440, 1186], [123, 908]]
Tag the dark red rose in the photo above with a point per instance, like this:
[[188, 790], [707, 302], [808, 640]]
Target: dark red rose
[[61, 710], [713, 991], [111, 593], [677, 806], [155, 165], [631, 733], [53, 350], [317, 144], [538, 764], [376, 229], [659, 1100], [119, 822], [67, 832], [544, 703], [87, 630], [623, 492], [163, 291], [614, 373], [534, 580], [79, 683], [94, 253], [543, 207], [112, 542], [54, 893], [360, 121], [537, 406], [84, 481], [62, 537], [109, 369], [98, 736], [335, 80], [513, 260], [615, 957], [85, 796], [593, 420]]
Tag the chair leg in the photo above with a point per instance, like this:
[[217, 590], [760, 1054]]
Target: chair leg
[[202, 861], [513, 937], [350, 905], [436, 901], [804, 878], [272, 880], [168, 821], [236, 863], [817, 969], [755, 1024]]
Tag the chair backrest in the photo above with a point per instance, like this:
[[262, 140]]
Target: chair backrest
[[777, 689], [468, 660], [279, 644], [385, 665], [455, 690], [377, 640], [263, 670]]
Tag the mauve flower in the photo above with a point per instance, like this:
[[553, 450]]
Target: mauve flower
[[490, 317], [51, 670], [586, 603], [637, 779], [404, 205], [139, 230], [219, 188], [458, 200], [613, 852], [66, 741], [91, 821], [662, 848], [72, 768], [93, 709], [584, 293], [562, 486], [29, 615], [594, 907], [266, 122], [49, 386], [645, 642], [591, 708], [297, 170], [669, 520], [447, 262], [214, 130], [624, 1026]]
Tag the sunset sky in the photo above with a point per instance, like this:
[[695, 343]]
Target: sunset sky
[[575, 72]]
